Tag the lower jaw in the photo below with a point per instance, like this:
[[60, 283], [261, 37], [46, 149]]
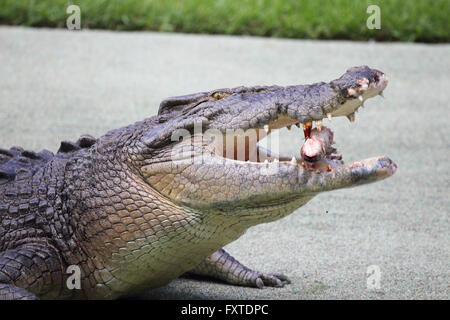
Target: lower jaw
[[266, 212]]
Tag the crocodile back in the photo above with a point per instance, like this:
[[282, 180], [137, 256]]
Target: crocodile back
[[31, 187], [17, 163]]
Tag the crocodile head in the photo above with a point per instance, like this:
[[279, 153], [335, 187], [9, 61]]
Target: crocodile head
[[201, 151]]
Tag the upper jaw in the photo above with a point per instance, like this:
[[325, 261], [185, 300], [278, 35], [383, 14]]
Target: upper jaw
[[286, 106]]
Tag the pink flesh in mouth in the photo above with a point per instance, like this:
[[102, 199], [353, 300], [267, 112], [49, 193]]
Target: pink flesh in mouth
[[317, 151]]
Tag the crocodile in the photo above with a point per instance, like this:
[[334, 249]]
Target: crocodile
[[111, 217]]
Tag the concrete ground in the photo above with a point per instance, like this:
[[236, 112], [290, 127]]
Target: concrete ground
[[57, 84]]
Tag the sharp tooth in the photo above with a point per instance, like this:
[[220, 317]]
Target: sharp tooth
[[266, 128], [298, 124], [329, 116], [289, 127], [360, 98], [351, 117], [293, 161]]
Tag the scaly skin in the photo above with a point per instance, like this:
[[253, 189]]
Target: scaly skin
[[134, 212]]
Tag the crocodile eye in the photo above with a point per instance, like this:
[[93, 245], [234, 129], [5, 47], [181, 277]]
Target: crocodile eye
[[218, 95]]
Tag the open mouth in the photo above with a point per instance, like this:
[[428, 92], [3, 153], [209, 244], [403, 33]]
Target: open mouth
[[318, 152]]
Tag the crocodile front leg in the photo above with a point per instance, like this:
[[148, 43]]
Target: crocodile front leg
[[220, 265], [30, 271]]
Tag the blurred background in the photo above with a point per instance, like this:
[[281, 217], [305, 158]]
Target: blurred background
[[415, 21]]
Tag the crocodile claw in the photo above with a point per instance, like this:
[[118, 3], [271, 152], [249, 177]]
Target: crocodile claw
[[270, 280]]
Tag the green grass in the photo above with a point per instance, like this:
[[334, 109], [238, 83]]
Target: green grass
[[401, 20]]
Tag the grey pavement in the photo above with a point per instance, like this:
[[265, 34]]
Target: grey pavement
[[58, 84]]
